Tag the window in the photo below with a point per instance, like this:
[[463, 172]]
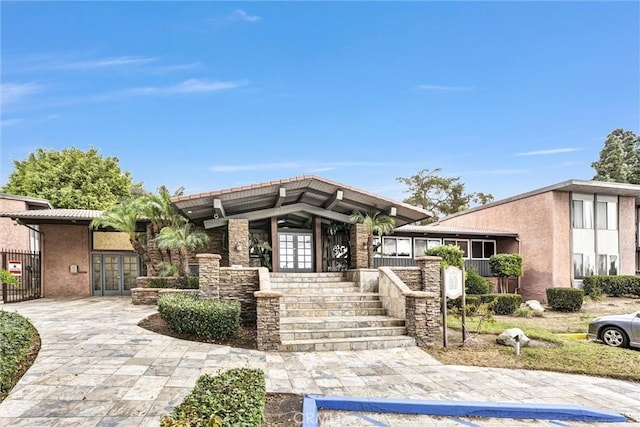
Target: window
[[482, 249], [396, 247], [578, 272], [613, 265], [603, 267], [582, 214], [607, 265], [462, 244], [607, 215], [420, 245]]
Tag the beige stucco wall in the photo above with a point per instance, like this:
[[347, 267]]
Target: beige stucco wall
[[542, 222], [62, 246], [13, 236], [627, 229]]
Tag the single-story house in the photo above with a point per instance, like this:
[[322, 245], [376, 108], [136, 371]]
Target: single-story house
[[567, 231]]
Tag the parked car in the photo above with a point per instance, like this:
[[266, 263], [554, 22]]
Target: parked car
[[618, 330]]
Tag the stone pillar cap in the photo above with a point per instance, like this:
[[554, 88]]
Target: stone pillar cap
[[212, 256], [428, 258]]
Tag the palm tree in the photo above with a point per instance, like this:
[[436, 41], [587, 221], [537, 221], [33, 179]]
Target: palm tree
[[376, 223], [184, 238], [124, 217], [160, 213]]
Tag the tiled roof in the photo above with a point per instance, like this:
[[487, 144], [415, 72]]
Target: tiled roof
[[439, 229], [30, 200], [54, 214]]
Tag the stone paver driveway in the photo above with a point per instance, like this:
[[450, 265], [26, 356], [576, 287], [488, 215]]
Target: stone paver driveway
[[98, 368]]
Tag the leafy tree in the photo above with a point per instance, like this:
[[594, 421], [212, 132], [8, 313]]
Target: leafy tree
[[452, 256], [376, 223], [504, 266], [160, 213], [71, 178], [184, 238], [440, 195], [619, 158], [124, 217]]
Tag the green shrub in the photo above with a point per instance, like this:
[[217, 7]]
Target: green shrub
[[472, 302], [523, 312], [451, 255], [158, 282], [205, 318], [18, 340], [506, 265], [189, 282], [505, 304], [475, 284], [615, 286], [565, 299], [232, 398]]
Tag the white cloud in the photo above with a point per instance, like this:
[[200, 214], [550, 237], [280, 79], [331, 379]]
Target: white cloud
[[241, 15], [118, 61], [188, 86], [547, 152], [436, 88], [308, 166], [16, 92]]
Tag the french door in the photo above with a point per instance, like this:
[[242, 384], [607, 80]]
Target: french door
[[114, 274], [295, 252]]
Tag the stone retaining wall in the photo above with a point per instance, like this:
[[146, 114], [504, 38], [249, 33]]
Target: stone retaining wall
[[411, 276]]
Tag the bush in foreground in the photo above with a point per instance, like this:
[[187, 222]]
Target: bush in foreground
[[18, 341], [205, 318], [505, 304], [565, 299], [232, 398]]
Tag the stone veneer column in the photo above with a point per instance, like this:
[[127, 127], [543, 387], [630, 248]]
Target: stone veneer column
[[430, 269], [238, 242], [268, 325], [422, 317], [358, 239], [209, 271]]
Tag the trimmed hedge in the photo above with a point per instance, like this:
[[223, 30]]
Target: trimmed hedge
[[615, 286], [565, 299], [205, 318], [232, 398], [19, 339], [505, 304], [451, 255], [475, 284], [189, 282]]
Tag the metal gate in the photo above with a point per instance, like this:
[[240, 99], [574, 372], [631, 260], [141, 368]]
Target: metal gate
[[29, 282]]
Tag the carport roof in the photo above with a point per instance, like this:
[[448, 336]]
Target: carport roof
[[53, 215], [295, 199]]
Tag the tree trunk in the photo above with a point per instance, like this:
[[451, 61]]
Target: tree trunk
[[370, 250], [183, 263], [144, 256]]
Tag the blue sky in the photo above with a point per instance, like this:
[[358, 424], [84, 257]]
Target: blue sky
[[509, 96]]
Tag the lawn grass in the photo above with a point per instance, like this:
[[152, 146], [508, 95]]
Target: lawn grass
[[561, 354], [19, 345]]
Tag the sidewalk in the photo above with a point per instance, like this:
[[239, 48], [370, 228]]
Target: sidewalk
[[98, 368]]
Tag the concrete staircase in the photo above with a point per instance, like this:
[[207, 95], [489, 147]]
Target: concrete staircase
[[323, 311]]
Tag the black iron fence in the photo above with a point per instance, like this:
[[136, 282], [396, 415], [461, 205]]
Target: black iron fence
[[27, 264]]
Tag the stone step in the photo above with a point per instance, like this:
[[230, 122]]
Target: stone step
[[306, 275], [343, 344], [329, 305], [321, 312], [306, 279], [337, 322], [313, 285], [349, 296], [311, 334], [317, 291]]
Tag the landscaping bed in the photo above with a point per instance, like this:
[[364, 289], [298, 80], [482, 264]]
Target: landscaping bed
[[19, 346]]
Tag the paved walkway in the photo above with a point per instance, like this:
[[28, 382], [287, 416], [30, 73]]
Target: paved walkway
[[97, 368]]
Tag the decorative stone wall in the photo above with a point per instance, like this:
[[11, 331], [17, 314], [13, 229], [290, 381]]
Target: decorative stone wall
[[268, 326], [238, 242], [218, 244], [430, 269], [411, 276], [358, 239], [209, 265], [422, 317], [240, 284], [145, 281], [149, 296]]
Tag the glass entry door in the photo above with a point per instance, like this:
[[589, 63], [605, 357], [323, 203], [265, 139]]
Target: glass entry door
[[295, 252], [114, 274]]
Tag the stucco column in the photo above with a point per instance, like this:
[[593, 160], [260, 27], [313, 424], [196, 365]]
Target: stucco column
[[268, 324], [238, 242], [358, 239], [422, 317], [430, 269], [209, 272]]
